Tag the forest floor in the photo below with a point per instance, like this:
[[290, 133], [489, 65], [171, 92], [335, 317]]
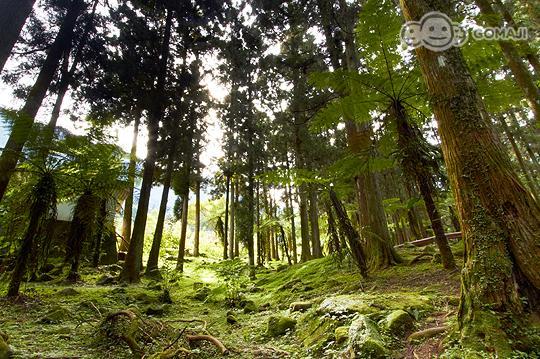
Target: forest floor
[[309, 307]]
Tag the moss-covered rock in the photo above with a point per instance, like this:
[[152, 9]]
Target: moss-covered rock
[[300, 306], [398, 322], [279, 325], [5, 351], [341, 334], [202, 294], [249, 306], [365, 339]]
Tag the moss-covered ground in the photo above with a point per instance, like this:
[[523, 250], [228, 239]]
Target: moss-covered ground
[[53, 321]]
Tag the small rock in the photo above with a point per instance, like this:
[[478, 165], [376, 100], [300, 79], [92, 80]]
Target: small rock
[[231, 319], [264, 307], [279, 325], [249, 306], [68, 292], [106, 279], [365, 339], [398, 322], [300, 306], [341, 334]]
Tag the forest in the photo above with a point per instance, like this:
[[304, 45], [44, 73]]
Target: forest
[[269, 179]]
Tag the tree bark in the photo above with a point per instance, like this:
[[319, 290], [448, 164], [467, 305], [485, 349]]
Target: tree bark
[[132, 266], [236, 239], [232, 220], [102, 218], [13, 15], [153, 257], [226, 231], [500, 221], [314, 221], [196, 235], [305, 253], [26, 116], [128, 205], [183, 232]]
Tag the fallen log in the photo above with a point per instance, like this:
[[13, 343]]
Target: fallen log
[[208, 338], [428, 240]]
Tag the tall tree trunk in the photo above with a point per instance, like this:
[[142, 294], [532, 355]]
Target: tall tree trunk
[[305, 253], [521, 162], [232, 220], [196, 235], [500, 221], [44, 199], [128, 204], [183, 232], [236, 239], [415, 163], [314, 221], [26, 116], [132, 266], [525, 143], [353, 238], [13, 15], [227, 195], [260, 254], [153, 257], [521, 73], [293, 224], [101, 229]]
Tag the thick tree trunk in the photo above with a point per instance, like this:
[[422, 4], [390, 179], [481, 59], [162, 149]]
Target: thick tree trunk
[[305, 253], [128, 204], [500, 221], [314, 221], [26, 116], [196, 239], [13, 15], [153, 257], [132, 267], [521, 73]]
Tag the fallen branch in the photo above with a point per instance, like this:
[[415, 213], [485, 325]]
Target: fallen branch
[[425, 241], [208, 338], [427, 333]]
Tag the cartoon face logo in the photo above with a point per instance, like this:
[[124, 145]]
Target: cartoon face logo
[[435, 31]]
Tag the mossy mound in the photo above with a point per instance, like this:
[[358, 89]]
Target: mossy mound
[[398, 322], [279, 325], [365, 339]]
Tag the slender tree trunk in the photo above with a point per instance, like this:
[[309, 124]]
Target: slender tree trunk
[[25, 118], [39, 209], [13, 15], [293, 224], [454, 219], [102, 218], [128, 205], [260, 254], [236, 239], [524, 141], [153, 257], [132, 267], [334, 245], [232, 220], [521, 162], [314, 221], [500, 221], [196, 236], [305, 254], [227, 195], [416, 165], [523, 77], [355, 244], [182, 245]]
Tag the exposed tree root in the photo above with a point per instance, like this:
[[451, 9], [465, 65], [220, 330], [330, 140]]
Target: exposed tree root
[[209, 338], [427, 333]]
